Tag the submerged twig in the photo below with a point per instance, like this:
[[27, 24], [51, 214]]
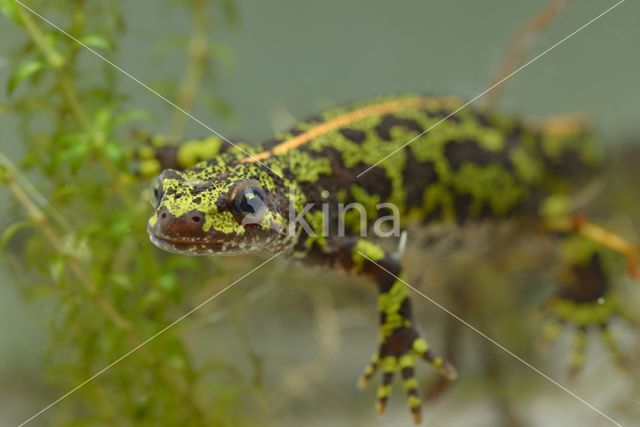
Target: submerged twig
[[521, 45]]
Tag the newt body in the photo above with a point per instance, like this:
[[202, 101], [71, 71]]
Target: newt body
[[468, 167]]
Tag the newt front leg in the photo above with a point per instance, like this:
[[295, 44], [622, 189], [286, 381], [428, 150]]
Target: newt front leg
[[400, 344]]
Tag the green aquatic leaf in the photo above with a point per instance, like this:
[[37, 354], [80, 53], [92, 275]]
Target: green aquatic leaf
[[23, 72], [130, 116], [9, 8], [13, 229], [114, 151], [56, 269], [97, 41]]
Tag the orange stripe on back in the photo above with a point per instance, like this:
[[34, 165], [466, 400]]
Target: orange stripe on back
[[345, 120]]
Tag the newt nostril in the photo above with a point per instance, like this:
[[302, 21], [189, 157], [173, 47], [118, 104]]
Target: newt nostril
[[197, 217], [163, 215]]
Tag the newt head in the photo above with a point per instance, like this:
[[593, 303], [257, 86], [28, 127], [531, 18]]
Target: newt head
[[195, 214]]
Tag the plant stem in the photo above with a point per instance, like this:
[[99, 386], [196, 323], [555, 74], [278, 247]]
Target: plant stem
[[57, 63], [198, 54]]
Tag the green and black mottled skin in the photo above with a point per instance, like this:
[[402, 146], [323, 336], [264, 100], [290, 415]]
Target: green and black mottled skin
[[471, 166]]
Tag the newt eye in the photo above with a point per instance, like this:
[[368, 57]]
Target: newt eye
[[249, 204], [155, 192]]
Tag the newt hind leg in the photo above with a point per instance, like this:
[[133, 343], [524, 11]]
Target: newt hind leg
[[585, 300]]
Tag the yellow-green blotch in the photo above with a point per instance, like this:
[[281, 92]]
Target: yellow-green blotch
[[193, 151]]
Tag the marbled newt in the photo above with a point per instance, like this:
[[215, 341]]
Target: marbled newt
[[218, 198]]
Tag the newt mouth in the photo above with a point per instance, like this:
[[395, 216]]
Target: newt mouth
[[184, 235], [193, 246]]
